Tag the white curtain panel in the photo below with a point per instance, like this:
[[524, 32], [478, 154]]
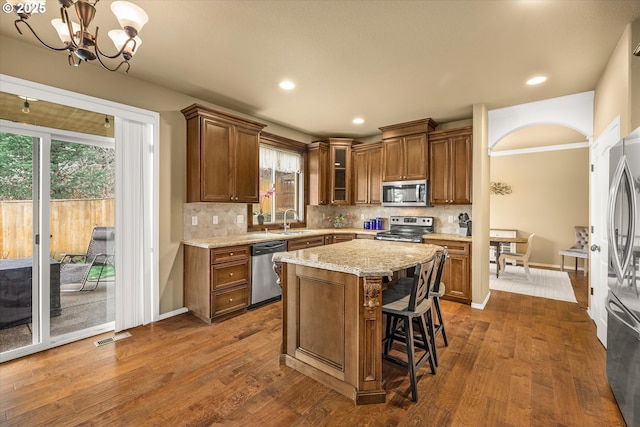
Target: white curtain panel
[[279, 160], [133, 222]]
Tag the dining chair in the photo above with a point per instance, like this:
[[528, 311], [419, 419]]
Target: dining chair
[[516, 256], [404, 309], [580, 248]]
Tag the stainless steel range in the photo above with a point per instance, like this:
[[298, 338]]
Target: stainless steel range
[[407, 229]]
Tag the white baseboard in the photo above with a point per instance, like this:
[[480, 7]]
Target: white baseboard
[[173, 313], [483, 304]]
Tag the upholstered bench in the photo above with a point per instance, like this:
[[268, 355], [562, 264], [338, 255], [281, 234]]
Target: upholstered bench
[[576, 254], [580, 248]]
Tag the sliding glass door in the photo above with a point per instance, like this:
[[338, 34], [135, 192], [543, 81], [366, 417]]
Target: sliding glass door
[[83, 233], [20, 306], [61, 287]]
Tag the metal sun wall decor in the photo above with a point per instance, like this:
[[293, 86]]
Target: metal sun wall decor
[[499, 188]]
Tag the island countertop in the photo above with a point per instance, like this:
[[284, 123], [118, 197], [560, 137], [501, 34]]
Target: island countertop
[[363, 258]]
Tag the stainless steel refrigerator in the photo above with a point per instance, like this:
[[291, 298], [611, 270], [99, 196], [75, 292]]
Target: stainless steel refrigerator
[[623, 299]]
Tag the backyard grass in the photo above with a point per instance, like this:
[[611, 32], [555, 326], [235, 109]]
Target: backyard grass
[[94, 273]]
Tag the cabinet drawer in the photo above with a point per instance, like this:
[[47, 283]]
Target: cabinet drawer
[[230, 254], [305, 242], [454, 247], [229, 300], [229, 274]]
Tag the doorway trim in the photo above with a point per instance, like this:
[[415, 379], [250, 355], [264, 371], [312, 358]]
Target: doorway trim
[[150, 289], [572, 111]]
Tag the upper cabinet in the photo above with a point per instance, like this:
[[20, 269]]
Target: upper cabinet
[[451, 166], [318, 158], [330, 171], [367, 174], [406, 150], [223, 156]]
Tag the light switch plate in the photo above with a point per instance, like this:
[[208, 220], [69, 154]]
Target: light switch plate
[[215, 219], [194, 220], [450, 218], [240, 219], [361, 216]]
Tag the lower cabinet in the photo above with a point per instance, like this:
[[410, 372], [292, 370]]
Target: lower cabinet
[[217, 281], [304, 242], [457, 270], [337, 238]]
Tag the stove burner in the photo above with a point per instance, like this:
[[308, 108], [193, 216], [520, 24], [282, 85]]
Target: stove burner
[[407, 229]]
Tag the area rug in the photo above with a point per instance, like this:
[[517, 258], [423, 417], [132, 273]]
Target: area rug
[[551, 284]]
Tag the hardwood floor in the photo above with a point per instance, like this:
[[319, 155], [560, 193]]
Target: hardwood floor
[[521, 361]]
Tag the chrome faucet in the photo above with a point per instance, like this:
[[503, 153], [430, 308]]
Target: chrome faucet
[[295, 215]]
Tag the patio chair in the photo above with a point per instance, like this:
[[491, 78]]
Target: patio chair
[[76, 268]]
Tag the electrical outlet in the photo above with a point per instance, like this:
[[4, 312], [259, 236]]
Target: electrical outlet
[[361, 216], [240, 219], [194, 220], [450, 218], [215, 219]]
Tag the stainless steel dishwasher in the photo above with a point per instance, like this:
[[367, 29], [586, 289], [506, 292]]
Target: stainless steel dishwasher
[[264, 286]]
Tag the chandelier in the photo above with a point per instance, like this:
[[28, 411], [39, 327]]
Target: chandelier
[[81, 44]]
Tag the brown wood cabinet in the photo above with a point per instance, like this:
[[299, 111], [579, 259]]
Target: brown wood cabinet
[[406, 150], [457, 270], [451, 154], [223, 156], [217, 281], [318, 158], [330, 171], [337, 238], [304, 243], [367, 174]]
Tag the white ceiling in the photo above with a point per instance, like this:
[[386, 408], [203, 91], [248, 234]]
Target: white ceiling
[[386, 61]]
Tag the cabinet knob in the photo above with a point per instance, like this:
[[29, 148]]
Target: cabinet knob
[[230, 253], [230, 299], [230, 274]]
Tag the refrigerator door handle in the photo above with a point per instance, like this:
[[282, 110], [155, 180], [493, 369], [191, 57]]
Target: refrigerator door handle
[[635, 328], [621, 176]]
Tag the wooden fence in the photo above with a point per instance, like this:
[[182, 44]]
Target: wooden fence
[[71, 224]]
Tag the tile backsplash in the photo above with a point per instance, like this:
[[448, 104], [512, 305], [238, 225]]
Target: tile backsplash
[[316, 215], [228, 216], [232, 217]]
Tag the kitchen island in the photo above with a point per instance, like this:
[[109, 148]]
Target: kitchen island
[[332, 313]]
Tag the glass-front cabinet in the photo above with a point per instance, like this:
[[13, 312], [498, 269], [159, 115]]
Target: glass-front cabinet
[[340, 165], [330, 171]]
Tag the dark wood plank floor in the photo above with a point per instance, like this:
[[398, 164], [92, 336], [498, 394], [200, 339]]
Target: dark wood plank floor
[[522, 361]]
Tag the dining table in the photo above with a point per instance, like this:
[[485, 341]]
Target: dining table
[[496, 241]]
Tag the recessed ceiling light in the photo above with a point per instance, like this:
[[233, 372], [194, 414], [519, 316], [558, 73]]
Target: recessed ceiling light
[[24, 98], [287, 85], [536, 80], [358, 121]]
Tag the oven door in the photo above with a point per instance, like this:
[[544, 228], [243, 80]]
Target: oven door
[[405, 193]]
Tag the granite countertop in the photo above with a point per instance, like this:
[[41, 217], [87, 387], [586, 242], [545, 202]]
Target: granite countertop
[[361, 257], [442, 236], [261, 236]]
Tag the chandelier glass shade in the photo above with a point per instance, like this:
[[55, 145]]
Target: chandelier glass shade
[[77, 39]]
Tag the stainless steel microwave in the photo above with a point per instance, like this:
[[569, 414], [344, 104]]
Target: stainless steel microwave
[[405, 193]]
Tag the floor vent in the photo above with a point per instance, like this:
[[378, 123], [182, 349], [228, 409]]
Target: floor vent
[[114, 338]]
